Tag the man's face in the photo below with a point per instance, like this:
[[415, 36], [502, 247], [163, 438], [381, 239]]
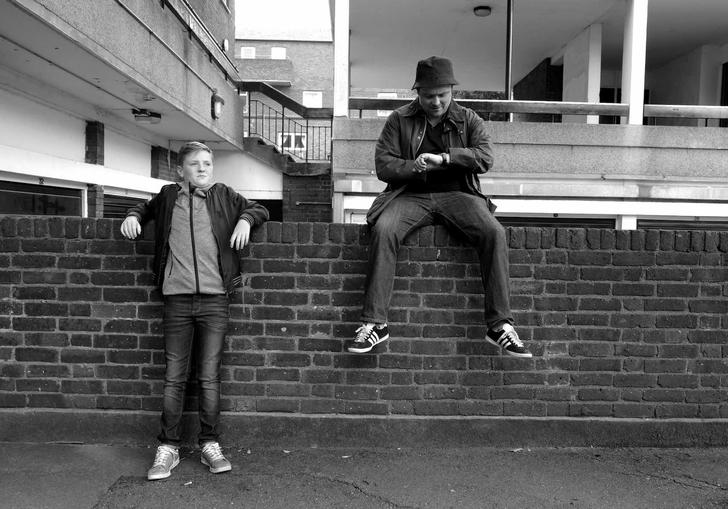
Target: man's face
[[197, 168], [435, 101]]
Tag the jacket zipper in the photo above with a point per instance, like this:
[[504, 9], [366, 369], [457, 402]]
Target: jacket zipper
[[217, 243], [194, 250], [421, 136]]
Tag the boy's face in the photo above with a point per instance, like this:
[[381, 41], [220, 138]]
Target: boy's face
[[197, 168]]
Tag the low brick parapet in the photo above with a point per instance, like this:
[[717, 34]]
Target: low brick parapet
[[623, 324]]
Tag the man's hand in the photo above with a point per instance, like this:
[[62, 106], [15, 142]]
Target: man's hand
[[426, 161], [241, 235], [131, 228]]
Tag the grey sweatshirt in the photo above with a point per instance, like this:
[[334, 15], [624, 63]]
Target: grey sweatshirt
[[192, 264]]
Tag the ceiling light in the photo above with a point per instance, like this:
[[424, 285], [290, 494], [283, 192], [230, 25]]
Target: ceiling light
[[482, 11], [146, 116]]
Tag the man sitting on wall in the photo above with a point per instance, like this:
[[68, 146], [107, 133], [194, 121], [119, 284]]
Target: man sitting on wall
[[430, 153]]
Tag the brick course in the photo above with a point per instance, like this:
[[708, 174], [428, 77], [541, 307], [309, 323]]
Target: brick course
[[621, 324]]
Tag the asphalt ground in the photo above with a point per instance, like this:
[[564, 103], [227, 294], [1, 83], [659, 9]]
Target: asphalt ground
[[58, 476]]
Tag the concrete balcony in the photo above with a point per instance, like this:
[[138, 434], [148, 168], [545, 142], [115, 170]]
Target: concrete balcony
[[625, 172], [278, 72]]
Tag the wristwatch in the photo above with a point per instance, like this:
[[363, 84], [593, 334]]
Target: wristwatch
[[445, 158]]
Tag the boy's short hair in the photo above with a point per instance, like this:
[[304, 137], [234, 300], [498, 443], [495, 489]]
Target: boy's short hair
[[188, 148]]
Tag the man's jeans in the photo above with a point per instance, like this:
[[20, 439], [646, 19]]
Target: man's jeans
[[189, 320], [463, 213]]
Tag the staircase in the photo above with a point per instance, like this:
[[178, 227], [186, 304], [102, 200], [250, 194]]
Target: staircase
[[295, 140]]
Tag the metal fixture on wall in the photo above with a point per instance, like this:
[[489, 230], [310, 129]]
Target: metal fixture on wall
[[216, 103], [482, 11], [146, 116]]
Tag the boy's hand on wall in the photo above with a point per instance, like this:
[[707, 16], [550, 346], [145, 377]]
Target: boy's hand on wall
[[241, 234], [131, 228]]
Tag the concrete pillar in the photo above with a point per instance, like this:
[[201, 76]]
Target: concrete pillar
[[634, 59], [626, 223], [95, 201], [583, 71], [341, 58], [94, 143], [164, 164]]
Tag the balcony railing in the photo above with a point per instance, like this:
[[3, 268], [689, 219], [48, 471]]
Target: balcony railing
[[488, 107], [293, 136], [301, 132]]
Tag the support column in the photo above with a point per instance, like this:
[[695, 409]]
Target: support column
[[163, 164], [341, 58], [583, 71], [94, 143], [634, 59], [93, 203], [626, 223]]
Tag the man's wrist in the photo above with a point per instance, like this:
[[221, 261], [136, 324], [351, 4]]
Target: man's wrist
[[445, 158]]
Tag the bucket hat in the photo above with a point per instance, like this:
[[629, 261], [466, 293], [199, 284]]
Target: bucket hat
[[434, 72]]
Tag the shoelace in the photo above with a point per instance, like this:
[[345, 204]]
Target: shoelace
[[162, 456], [213, 451], [363, 333], [512, 336]]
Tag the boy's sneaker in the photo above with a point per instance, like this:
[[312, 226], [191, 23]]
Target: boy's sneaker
[[508, 340], [211, 455], [166, 459], [367, 337]]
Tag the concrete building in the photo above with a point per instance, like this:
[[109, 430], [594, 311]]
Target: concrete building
[[96, 97], [616, 105], [289, 46], [665, 162]]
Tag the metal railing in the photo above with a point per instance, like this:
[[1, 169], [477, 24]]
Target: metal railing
[[488, 107], [301, 132], [294, 136]]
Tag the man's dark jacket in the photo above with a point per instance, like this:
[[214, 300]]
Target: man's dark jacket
[[226, 207], [465, 140]]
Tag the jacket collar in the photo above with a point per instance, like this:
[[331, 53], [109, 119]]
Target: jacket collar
[[455, 112], [185, 189]]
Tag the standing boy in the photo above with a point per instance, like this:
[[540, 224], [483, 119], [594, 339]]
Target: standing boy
[[430, 153], [199, 227]]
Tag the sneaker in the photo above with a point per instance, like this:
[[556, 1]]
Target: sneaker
[[211, 455], [166, 459], [508, 340], [367, 337]]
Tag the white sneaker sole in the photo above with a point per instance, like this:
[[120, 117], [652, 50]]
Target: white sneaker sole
[[218, 470], [354, 349], [508, 352], [156, 477]]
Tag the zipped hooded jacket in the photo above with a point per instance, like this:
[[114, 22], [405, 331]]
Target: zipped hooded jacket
[[226, 207], [464, 137]]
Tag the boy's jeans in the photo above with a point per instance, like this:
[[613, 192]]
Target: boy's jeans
[[201, 320], [463, 213]]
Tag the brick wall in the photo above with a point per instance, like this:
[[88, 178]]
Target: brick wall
[[622, 324], [307, 198]]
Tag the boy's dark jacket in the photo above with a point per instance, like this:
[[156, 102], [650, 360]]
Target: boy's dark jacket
[[226, 207]]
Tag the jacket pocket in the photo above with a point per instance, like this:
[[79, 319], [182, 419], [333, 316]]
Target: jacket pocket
[[378, 206]]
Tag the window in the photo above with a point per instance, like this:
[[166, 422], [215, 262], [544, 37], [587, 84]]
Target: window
[[385, 95], [244, 97], [116, 206], [34, 199], [247, 52], [312, 99], [292, 142], [278, 53]]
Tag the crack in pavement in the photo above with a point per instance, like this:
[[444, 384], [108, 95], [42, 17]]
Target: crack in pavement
[[698, 484], [361, 490]]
